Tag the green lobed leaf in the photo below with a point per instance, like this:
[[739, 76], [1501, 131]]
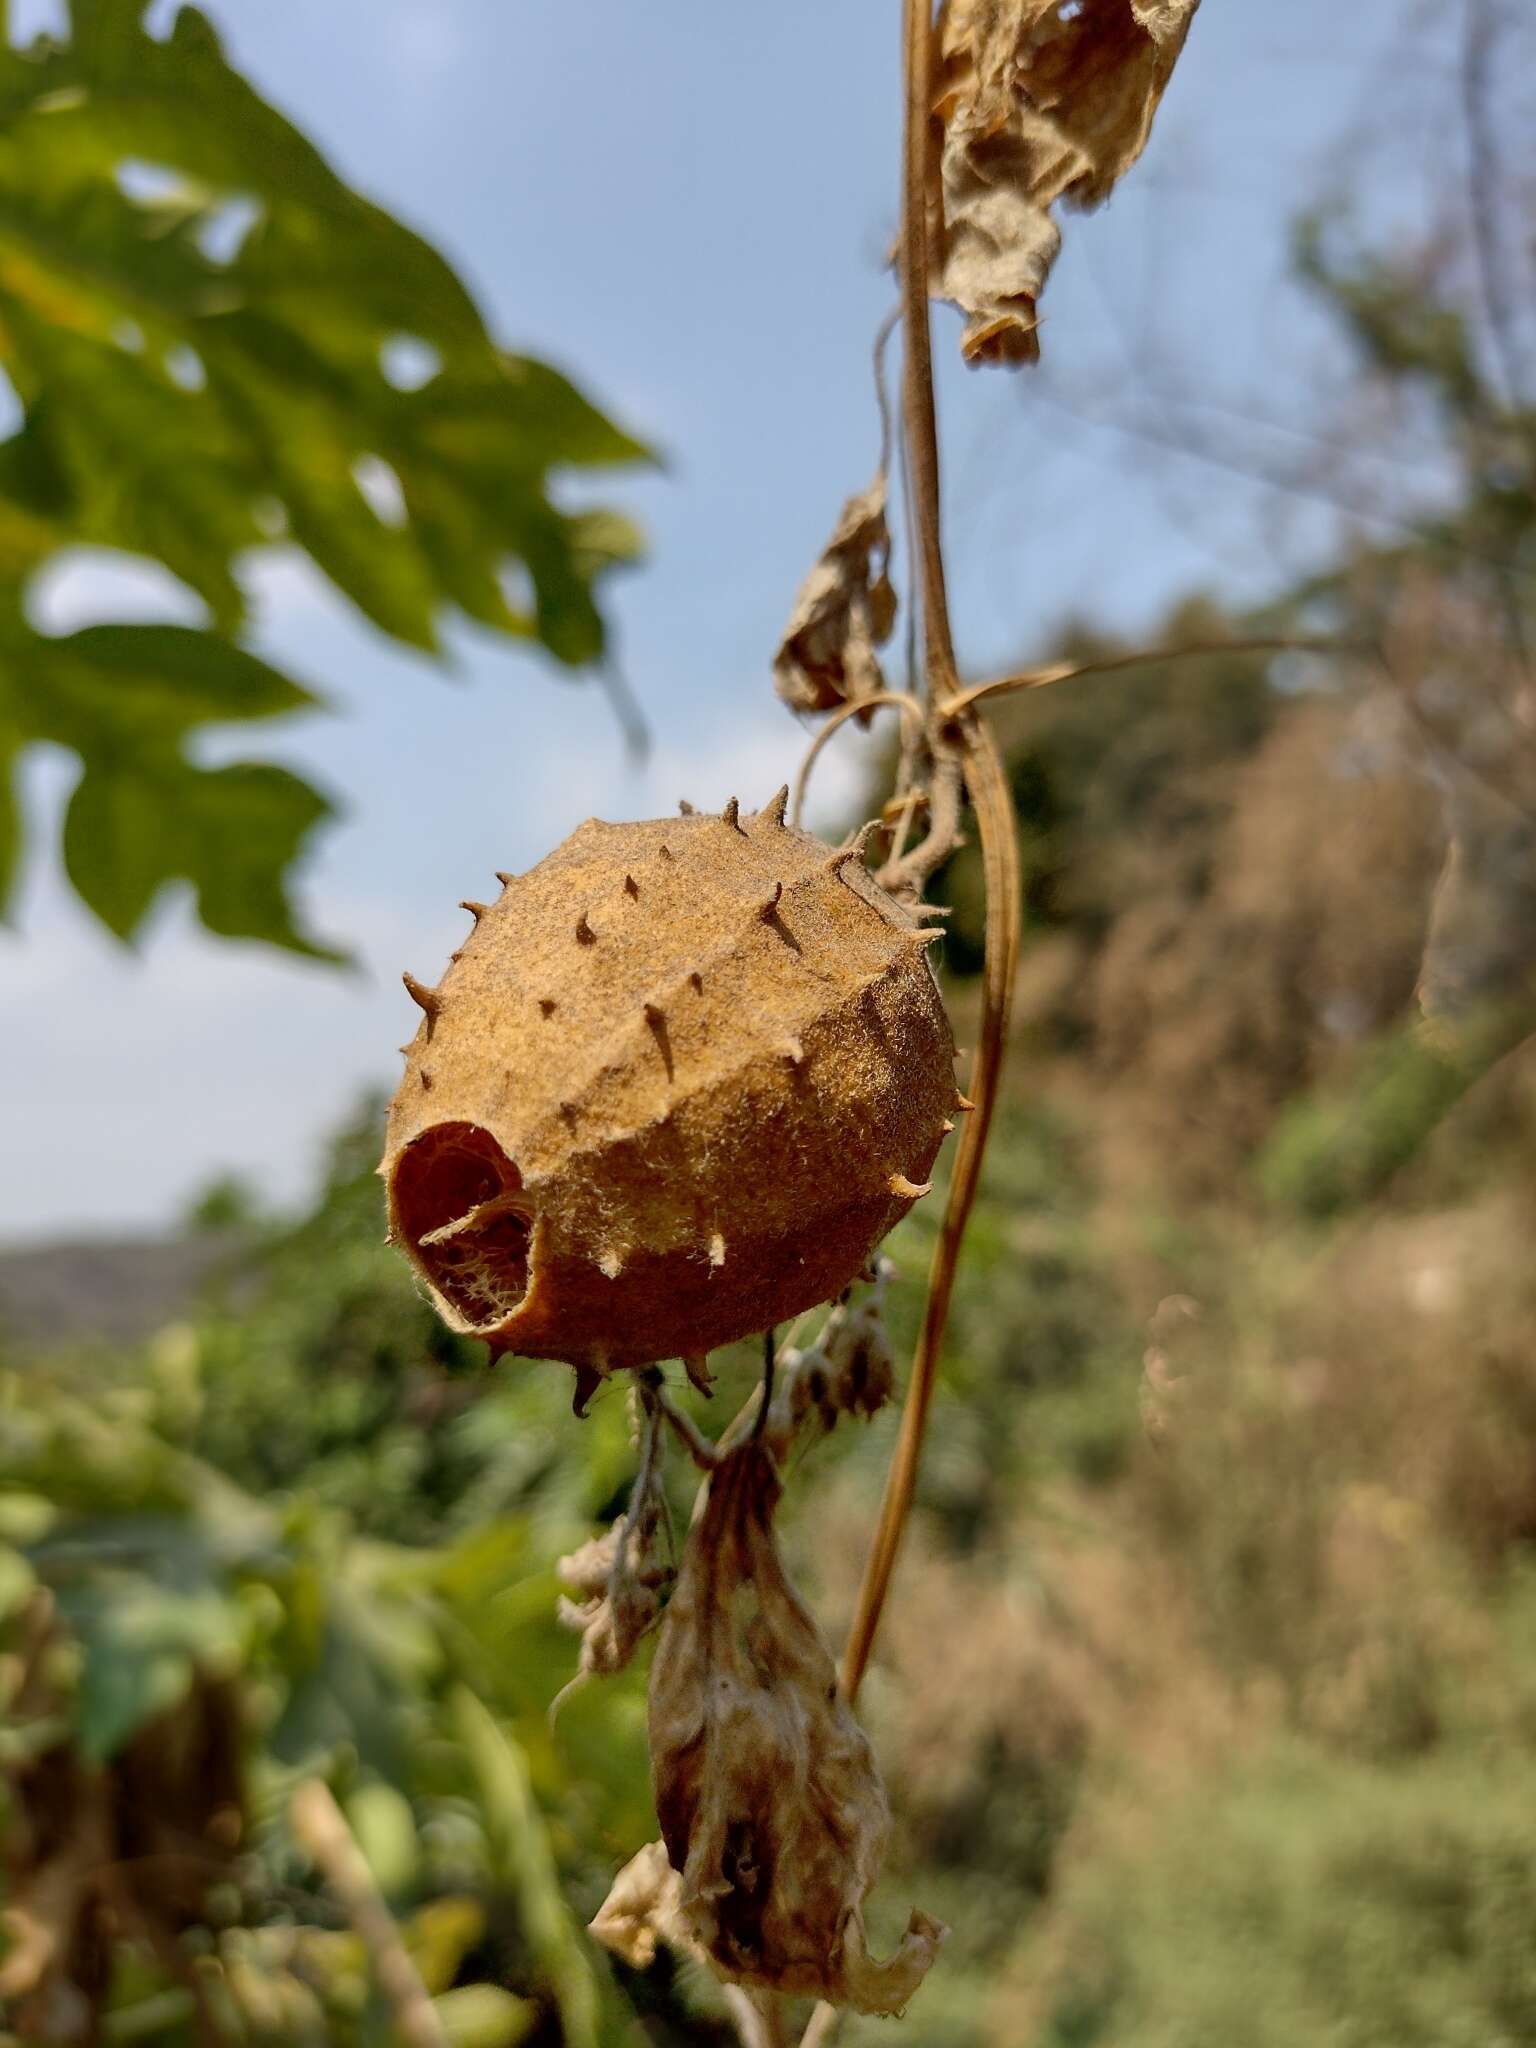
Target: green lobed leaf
[[146, 467], [138, 682], [123, 698], [139, 820], [179, 368]]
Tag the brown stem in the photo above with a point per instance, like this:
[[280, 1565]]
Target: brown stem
[[919, 420], [758, 2017], [988, 787], [703, 1453], [822, 2027], [319, 1824], [988, 783], [1141, 657], [856, 707]]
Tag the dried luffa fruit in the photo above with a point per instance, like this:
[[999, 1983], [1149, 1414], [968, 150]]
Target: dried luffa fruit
[[844, 610], [1038, 102], [620, 1577], [771, 1808], [678, 1082]]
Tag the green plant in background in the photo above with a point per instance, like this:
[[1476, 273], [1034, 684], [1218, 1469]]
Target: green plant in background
[[187, 1641], [215, 346], [1295, 1899], [303, 1538]]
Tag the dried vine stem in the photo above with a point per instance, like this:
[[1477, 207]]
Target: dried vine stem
[[856, 707], [758, 2017], [1143, 657], [990, 797], [955, 738], [919, 419], [822, 2027]]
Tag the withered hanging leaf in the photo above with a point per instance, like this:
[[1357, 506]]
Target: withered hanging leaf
[[844, 610], [1038, 101], [771, 1808]]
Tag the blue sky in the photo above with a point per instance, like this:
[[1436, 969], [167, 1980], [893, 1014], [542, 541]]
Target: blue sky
[[688, 208]]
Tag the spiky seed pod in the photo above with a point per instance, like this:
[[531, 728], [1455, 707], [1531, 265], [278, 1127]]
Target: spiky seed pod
[[685, 1075]]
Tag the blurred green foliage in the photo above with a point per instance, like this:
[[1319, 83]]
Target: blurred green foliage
[[1298, 1899], [214, 345], [320, 1496]]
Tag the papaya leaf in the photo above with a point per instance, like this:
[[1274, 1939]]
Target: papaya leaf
[[197, 316], [138, 680], [138, 820]]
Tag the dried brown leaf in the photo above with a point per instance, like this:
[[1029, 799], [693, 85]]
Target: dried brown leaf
[[844, 610], [772, 1810], [1039, 100]]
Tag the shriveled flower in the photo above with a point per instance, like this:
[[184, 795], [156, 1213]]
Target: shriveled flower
[[849, 1370], [620, 1578], [643, 1910], [860, 1362], [771, 1807]]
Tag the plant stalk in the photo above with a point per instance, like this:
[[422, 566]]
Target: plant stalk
[[319, 1824], [919, 418], [991, 798], [950, 733]]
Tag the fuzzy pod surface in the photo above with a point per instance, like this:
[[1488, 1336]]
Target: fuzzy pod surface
[[680, 1080]]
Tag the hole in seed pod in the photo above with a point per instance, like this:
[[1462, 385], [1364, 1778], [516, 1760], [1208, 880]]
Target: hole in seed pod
[[456, 1197]]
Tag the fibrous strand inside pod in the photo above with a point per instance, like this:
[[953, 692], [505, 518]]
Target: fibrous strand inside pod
[[456, 1194]]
